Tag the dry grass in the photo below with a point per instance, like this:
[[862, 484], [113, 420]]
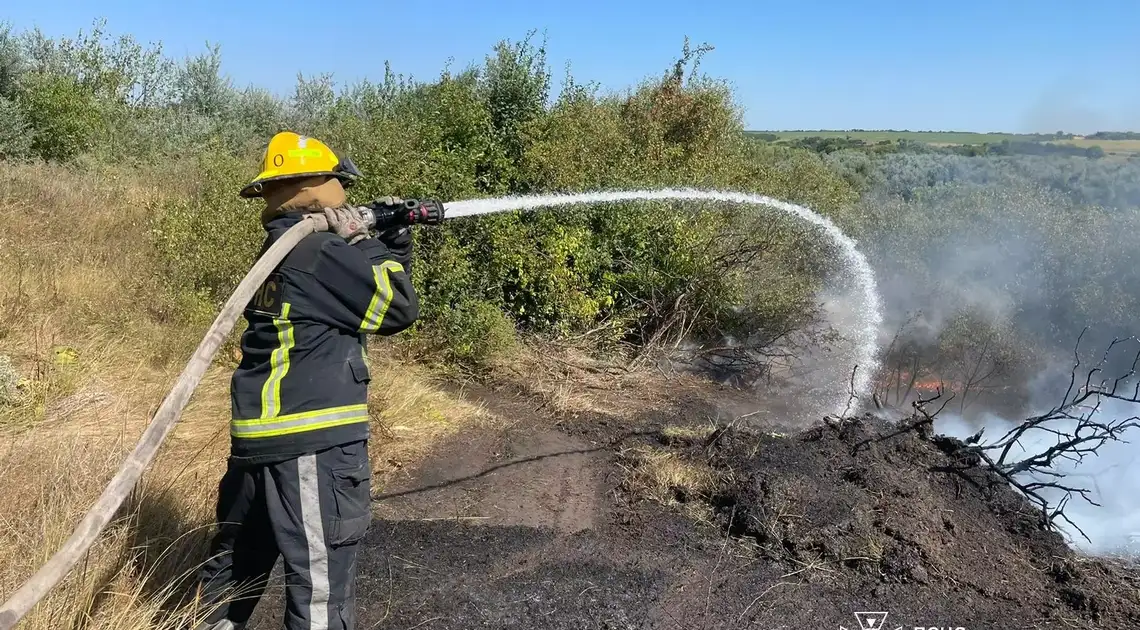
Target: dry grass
[[687, 435], [572, 382], [79, 322], [667, 477]]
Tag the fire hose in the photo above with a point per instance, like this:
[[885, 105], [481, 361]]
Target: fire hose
[[378, 216]]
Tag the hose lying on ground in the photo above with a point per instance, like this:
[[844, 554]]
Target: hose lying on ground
[[88, 530]]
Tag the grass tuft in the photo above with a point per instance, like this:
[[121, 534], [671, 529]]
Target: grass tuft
[[667, 478]]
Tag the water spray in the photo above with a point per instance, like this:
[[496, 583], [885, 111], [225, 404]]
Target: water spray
[[382, 216], [868, 308]]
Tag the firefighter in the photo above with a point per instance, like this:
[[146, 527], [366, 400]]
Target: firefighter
[[297, 479]]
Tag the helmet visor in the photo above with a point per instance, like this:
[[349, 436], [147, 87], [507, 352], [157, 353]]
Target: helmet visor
[[346, 166]]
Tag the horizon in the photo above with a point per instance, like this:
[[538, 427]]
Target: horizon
[[955, 131], [886, 65]]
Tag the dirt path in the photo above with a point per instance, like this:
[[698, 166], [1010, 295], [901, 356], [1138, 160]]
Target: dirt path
[[522, 529], [539, 479], [528, 528]]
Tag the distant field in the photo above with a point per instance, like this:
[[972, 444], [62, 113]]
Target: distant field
[[930, 137], [1110, 146], [1120, 149]]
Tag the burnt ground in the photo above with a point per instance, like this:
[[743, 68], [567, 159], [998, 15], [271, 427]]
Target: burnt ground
[[540, 528]]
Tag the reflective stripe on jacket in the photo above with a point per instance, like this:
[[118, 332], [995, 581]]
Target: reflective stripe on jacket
[[302, 384]]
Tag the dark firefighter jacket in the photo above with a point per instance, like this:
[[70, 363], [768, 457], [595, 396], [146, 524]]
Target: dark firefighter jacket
[[302, 382]]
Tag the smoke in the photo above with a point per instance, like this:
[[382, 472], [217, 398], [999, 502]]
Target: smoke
[[1062, 106], [961, 274], [988, 275], [1113, 525], [1066, 104]]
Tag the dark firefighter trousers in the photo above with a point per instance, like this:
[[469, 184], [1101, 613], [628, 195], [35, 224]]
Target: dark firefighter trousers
[[313, 511]]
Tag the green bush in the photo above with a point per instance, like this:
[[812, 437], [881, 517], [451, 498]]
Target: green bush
[[15, 132], [206, 244], [62, 113], [632, 272], [472, 334], [625, 272]]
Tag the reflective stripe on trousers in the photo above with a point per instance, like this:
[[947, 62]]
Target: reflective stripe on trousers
[[315, 540], [224, 624]]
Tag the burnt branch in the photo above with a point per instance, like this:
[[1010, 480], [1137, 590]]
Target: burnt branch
[[922, 421], [974, 377], [851, 395], [1076, 428]]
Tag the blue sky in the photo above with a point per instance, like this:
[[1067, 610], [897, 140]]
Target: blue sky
[[975, 65]]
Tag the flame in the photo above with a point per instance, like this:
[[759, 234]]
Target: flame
[[932, 383], [893, 386], [928, 383]]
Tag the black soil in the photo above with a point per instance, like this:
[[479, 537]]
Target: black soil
[[539, 528]]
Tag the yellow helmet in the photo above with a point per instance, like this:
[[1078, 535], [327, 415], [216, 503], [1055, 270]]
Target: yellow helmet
[[290, 155]]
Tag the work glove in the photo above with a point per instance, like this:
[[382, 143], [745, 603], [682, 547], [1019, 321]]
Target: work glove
[[389, 201], [347, 223], [398, 240]]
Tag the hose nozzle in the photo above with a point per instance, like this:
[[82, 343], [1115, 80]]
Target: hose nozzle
[[381, 215]]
